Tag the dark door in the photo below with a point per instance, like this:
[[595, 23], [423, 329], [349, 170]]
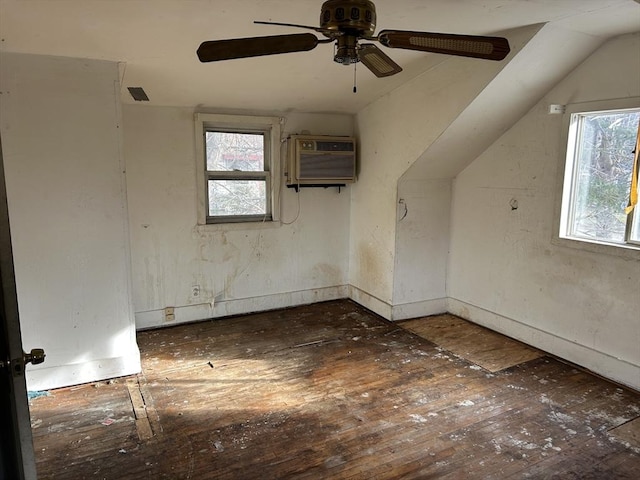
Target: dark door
[[17, 460]]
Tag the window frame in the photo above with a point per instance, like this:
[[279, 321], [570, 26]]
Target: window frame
[[565, 190], [267, 126]]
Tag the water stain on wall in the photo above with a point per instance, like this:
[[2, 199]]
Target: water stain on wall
[[371, 268], [330, 274]]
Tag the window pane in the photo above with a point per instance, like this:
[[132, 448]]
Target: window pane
[[237, 197], [229, 151], [603, 174]]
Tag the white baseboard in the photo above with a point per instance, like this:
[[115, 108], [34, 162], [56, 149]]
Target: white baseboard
[[370, 302], [237, 306], [279, 300], [45, 378], [185, 314], [617, 369], [397, 312], [419, 309]]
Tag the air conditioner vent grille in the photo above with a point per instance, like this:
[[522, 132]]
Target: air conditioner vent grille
[[321, 166], [321, 160]]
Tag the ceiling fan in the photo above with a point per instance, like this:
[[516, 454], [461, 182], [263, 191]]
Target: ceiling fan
[[347, 22]]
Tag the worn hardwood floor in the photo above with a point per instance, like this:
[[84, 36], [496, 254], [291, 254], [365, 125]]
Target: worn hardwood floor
[[490, 350], [332, 391]]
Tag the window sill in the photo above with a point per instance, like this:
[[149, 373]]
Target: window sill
[[627, 251], [226, 227]]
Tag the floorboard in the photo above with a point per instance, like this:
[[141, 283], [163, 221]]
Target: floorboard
[[333, 391], [488, 349]]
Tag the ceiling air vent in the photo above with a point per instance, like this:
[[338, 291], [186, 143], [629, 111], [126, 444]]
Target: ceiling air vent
[[138, 94]]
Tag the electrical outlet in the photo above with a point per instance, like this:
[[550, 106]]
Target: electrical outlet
[[195, 291], [169, 314]]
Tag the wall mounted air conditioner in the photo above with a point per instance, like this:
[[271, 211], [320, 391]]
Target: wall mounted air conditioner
[[320, 161]]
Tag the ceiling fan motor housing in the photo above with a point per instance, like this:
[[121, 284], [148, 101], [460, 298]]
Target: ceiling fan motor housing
[[356, 17], [353, 19]]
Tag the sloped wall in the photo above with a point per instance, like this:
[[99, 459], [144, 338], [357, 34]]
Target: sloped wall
[[394, 132], [422, 236], [504, 270]]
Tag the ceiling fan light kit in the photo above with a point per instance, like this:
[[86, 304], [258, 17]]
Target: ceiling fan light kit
[[346, 23]]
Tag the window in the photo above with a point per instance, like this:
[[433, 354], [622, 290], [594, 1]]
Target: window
[[238, 158], [601, 178]]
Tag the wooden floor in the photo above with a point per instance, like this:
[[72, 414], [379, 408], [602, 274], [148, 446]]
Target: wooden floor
[[490, 350], [332, 391]]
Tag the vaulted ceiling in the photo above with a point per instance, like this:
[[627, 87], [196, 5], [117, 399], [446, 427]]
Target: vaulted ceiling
[[156, 40]]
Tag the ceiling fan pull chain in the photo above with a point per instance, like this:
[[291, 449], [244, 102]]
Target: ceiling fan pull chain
[[355, 88]]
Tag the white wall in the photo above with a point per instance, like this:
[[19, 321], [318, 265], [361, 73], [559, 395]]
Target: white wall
[[422, 246], [416, 140], [504, 270], [239, 268], [67, 206], [393, 132]]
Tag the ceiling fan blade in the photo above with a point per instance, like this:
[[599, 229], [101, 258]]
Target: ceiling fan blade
[[489, 48], [325, 31], [377, 61], [215, 50]]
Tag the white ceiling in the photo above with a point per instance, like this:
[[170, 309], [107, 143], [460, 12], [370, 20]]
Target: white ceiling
[[157, 39]]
